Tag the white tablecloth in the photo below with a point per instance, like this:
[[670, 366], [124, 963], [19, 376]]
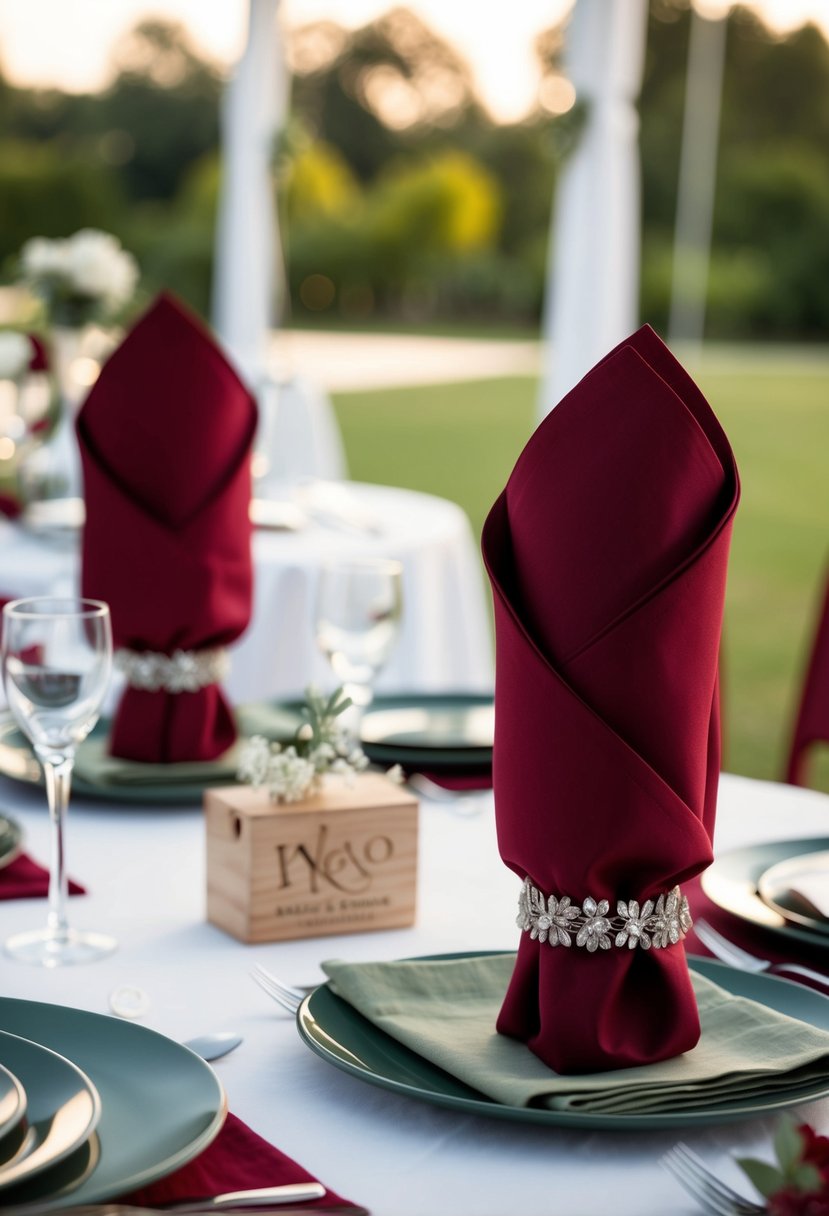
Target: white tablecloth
[[398, 1156], [444, 641]]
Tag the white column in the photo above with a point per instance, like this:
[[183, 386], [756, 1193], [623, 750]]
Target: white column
[[697, 180], [593, 278], [246, 279]]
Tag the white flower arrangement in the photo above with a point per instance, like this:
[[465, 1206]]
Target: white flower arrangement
[[15, 354], [290, 773], [82, 278]]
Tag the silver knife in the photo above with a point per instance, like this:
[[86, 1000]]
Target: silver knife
[[261, 1197], [128, 1209]]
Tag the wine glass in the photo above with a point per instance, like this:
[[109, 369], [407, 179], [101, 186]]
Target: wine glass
[[358, 609], [57, 660]]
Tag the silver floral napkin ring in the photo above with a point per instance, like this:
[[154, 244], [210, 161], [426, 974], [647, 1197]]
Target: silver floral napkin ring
[[555, 920], [181, 671]]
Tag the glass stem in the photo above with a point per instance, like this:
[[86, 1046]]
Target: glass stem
[[57, 770]]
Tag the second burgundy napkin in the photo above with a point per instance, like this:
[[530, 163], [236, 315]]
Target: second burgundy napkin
[[812, 722], [607, 553], [165, 437], [238, 1159]]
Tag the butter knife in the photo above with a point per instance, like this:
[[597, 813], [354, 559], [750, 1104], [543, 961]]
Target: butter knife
[[262, 1200], [128, 1209]]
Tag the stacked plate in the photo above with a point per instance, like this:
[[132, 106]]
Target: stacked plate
[[782, 886], [92, 1107], [444, 733]]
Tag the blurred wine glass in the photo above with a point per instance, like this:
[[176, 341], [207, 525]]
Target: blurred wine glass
[[357, 617], [57, 661]]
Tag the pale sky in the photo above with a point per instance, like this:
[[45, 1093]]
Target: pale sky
[[67, 42]]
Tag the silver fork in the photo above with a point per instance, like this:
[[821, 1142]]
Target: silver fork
[[286, 995], [735, 956], [712, 1195]]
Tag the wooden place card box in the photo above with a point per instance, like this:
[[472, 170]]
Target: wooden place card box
[[343, 860]]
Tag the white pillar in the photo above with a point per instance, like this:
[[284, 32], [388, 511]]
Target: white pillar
[[697, 181], [592, 297], [246, 277]]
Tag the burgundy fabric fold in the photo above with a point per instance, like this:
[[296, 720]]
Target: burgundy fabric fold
[[165, 437], [812, 722], [25, 878], [607, 554], [238, 1159]]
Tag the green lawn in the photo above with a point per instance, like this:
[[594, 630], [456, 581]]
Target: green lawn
[[461, 440]]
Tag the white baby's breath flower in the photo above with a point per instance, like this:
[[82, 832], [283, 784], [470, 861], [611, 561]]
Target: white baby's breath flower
[[15, 354], [290, 777], [320, 747], [41, 258], [396, 775], [254, 761], [97, 266]]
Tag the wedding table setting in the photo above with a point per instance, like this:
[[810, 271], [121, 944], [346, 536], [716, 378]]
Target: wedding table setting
[[447, 940]]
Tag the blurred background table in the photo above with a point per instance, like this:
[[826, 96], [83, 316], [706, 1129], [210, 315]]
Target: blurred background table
[[444, 641]]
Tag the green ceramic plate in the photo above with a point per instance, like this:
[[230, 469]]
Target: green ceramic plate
[[342, 1037], [11, 840], [12, 1104], [62, 1113], [184, 785], [438, 730], [180, 785], [161, 1104], [798, 889], [732, 883]]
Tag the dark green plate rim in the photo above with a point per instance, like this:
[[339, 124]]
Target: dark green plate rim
[[731, 883], [436, 759], [338, 1034]]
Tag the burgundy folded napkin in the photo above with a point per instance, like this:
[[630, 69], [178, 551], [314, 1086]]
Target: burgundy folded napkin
[[812, 722], [165, 437], [23, 878], [607, 553], [238, 1159], [10, 506]]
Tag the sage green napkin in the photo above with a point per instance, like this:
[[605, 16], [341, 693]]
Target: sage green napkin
[[94, 764], [446, 1010]]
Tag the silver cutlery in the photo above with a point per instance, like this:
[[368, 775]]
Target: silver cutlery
[[128, 1209], [214, 1046], [467, 802], [259, 1200], [735, 956], [286, 995], [712, 1195], [259, 1197]]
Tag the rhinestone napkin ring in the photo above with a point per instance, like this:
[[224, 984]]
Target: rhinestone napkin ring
[[181, 671], [557, 921]]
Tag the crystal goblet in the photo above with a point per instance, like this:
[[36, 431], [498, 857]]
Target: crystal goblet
[[57, 661]]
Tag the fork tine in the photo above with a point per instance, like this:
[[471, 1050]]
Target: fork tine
[[286, 1000], [690, 1183], [688, 1168], [727, 950], [289, 989], [696, 1163]]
